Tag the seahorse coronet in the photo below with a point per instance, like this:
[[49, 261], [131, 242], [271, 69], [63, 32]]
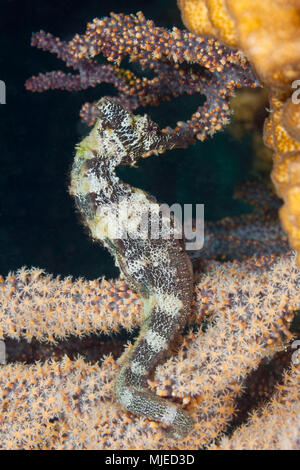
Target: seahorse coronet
[[125, 219]]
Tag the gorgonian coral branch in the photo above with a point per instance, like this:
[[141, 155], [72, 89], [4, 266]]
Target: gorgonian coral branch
[[68, 404], [274, 427], [181, 63]]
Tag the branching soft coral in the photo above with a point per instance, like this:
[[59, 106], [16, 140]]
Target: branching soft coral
[[275, 426], [248, 310], [180, 61]]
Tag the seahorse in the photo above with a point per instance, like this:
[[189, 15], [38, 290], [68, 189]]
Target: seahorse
[[157, 267]]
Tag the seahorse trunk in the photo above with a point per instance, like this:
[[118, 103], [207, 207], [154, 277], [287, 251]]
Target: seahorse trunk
[[153, 262]]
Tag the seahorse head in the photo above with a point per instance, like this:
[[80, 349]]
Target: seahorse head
[[136, 134]]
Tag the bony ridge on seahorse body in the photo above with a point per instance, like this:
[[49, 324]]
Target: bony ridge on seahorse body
[[156, 266]]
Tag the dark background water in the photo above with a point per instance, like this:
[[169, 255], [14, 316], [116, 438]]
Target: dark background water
[[38, 223]]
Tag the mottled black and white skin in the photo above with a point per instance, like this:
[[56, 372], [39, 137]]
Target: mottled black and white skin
[[158, 269]]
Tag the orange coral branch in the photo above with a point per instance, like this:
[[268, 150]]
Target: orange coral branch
[[69, 404], [274, 427], [34, 304]]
